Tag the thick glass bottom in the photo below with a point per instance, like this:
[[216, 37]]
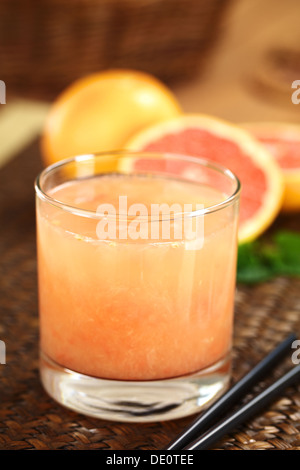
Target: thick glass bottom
[[131, 401]]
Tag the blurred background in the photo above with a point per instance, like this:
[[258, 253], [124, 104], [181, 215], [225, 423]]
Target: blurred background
[[235, 59]]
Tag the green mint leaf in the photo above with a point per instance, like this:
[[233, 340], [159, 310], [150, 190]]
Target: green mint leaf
[[252, 267], [263, 259]]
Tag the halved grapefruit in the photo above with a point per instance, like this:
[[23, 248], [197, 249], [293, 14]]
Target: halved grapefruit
[[282, 140], [227, 144]]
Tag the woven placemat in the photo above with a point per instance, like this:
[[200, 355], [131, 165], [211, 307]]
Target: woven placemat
[[29, 419]]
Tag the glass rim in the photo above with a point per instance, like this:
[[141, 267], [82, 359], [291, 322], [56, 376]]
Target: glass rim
[[42, 195]]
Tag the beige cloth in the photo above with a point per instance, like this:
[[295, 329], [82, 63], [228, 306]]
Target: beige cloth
[[20, 122]]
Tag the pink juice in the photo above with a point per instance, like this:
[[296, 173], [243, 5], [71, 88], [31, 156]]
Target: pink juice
[[134, 309]]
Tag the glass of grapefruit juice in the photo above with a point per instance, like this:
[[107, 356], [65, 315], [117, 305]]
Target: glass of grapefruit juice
[[136, 275]]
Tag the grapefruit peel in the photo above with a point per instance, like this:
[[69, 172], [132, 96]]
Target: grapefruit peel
[[97, 112]]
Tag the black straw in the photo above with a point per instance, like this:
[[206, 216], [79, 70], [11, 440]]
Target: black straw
[[246, 411], [229, 398]]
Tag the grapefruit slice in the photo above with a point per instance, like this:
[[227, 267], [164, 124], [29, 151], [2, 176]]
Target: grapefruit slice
[[204, 136], [282, 140]]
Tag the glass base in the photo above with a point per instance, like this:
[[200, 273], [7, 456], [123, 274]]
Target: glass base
[[130, 401]]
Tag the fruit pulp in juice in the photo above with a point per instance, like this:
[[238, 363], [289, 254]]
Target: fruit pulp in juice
[[138, 309]]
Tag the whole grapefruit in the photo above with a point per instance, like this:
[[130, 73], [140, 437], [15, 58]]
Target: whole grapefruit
[[101, 111]]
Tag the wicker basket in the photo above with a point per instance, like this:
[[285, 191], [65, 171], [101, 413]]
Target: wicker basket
[[46, 44]]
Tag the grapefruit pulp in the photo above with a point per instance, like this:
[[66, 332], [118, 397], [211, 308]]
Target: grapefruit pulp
[[205, 136], [283, 142]]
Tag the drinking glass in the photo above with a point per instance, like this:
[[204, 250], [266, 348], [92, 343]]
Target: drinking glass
[[136, 277]]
